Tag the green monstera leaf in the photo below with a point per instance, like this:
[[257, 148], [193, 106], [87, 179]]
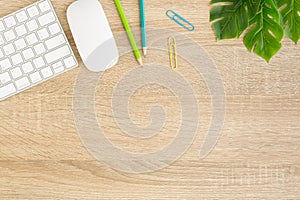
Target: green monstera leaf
[[265, 36], [290, 18], [252, 7], [229, 20], [264, 21]]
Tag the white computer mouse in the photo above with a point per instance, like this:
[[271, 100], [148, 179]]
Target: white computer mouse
[[92, 35]]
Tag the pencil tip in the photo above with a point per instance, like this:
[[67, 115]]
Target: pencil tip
[[145, 51], [140, 61]]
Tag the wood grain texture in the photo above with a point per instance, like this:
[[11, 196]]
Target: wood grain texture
[[256, 157]]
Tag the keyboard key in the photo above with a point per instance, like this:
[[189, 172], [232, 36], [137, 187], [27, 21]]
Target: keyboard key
[[39, 62], [32, 25], [70, 62], [4, 78], [33, 11], [22, 83], [47, 72], [58, 64], [54, 28], [20, 44], [58, 67], [55, 42], [7, 90], [9, 49], [57, 54], [27, 67], [31, 39], [1, 40], [39, 49], [5, 64], [21, 30], [46, 19], [1, 26], [17, 59], [43, 34], [35, 77], [21, 16], [28, 53], [44, 6], [10, 21], [16, 72], [9, 35]]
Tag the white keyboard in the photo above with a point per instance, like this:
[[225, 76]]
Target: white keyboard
[[33, 48]]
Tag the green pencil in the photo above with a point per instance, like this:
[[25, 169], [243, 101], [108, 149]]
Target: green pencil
[[129, 33]]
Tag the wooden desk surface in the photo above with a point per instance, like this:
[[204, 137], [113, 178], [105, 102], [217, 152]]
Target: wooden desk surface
[[256, 157]]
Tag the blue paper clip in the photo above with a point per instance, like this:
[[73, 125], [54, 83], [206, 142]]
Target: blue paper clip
[[180, 20]]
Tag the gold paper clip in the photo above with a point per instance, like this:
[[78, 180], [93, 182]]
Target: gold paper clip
[[173, 53]]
